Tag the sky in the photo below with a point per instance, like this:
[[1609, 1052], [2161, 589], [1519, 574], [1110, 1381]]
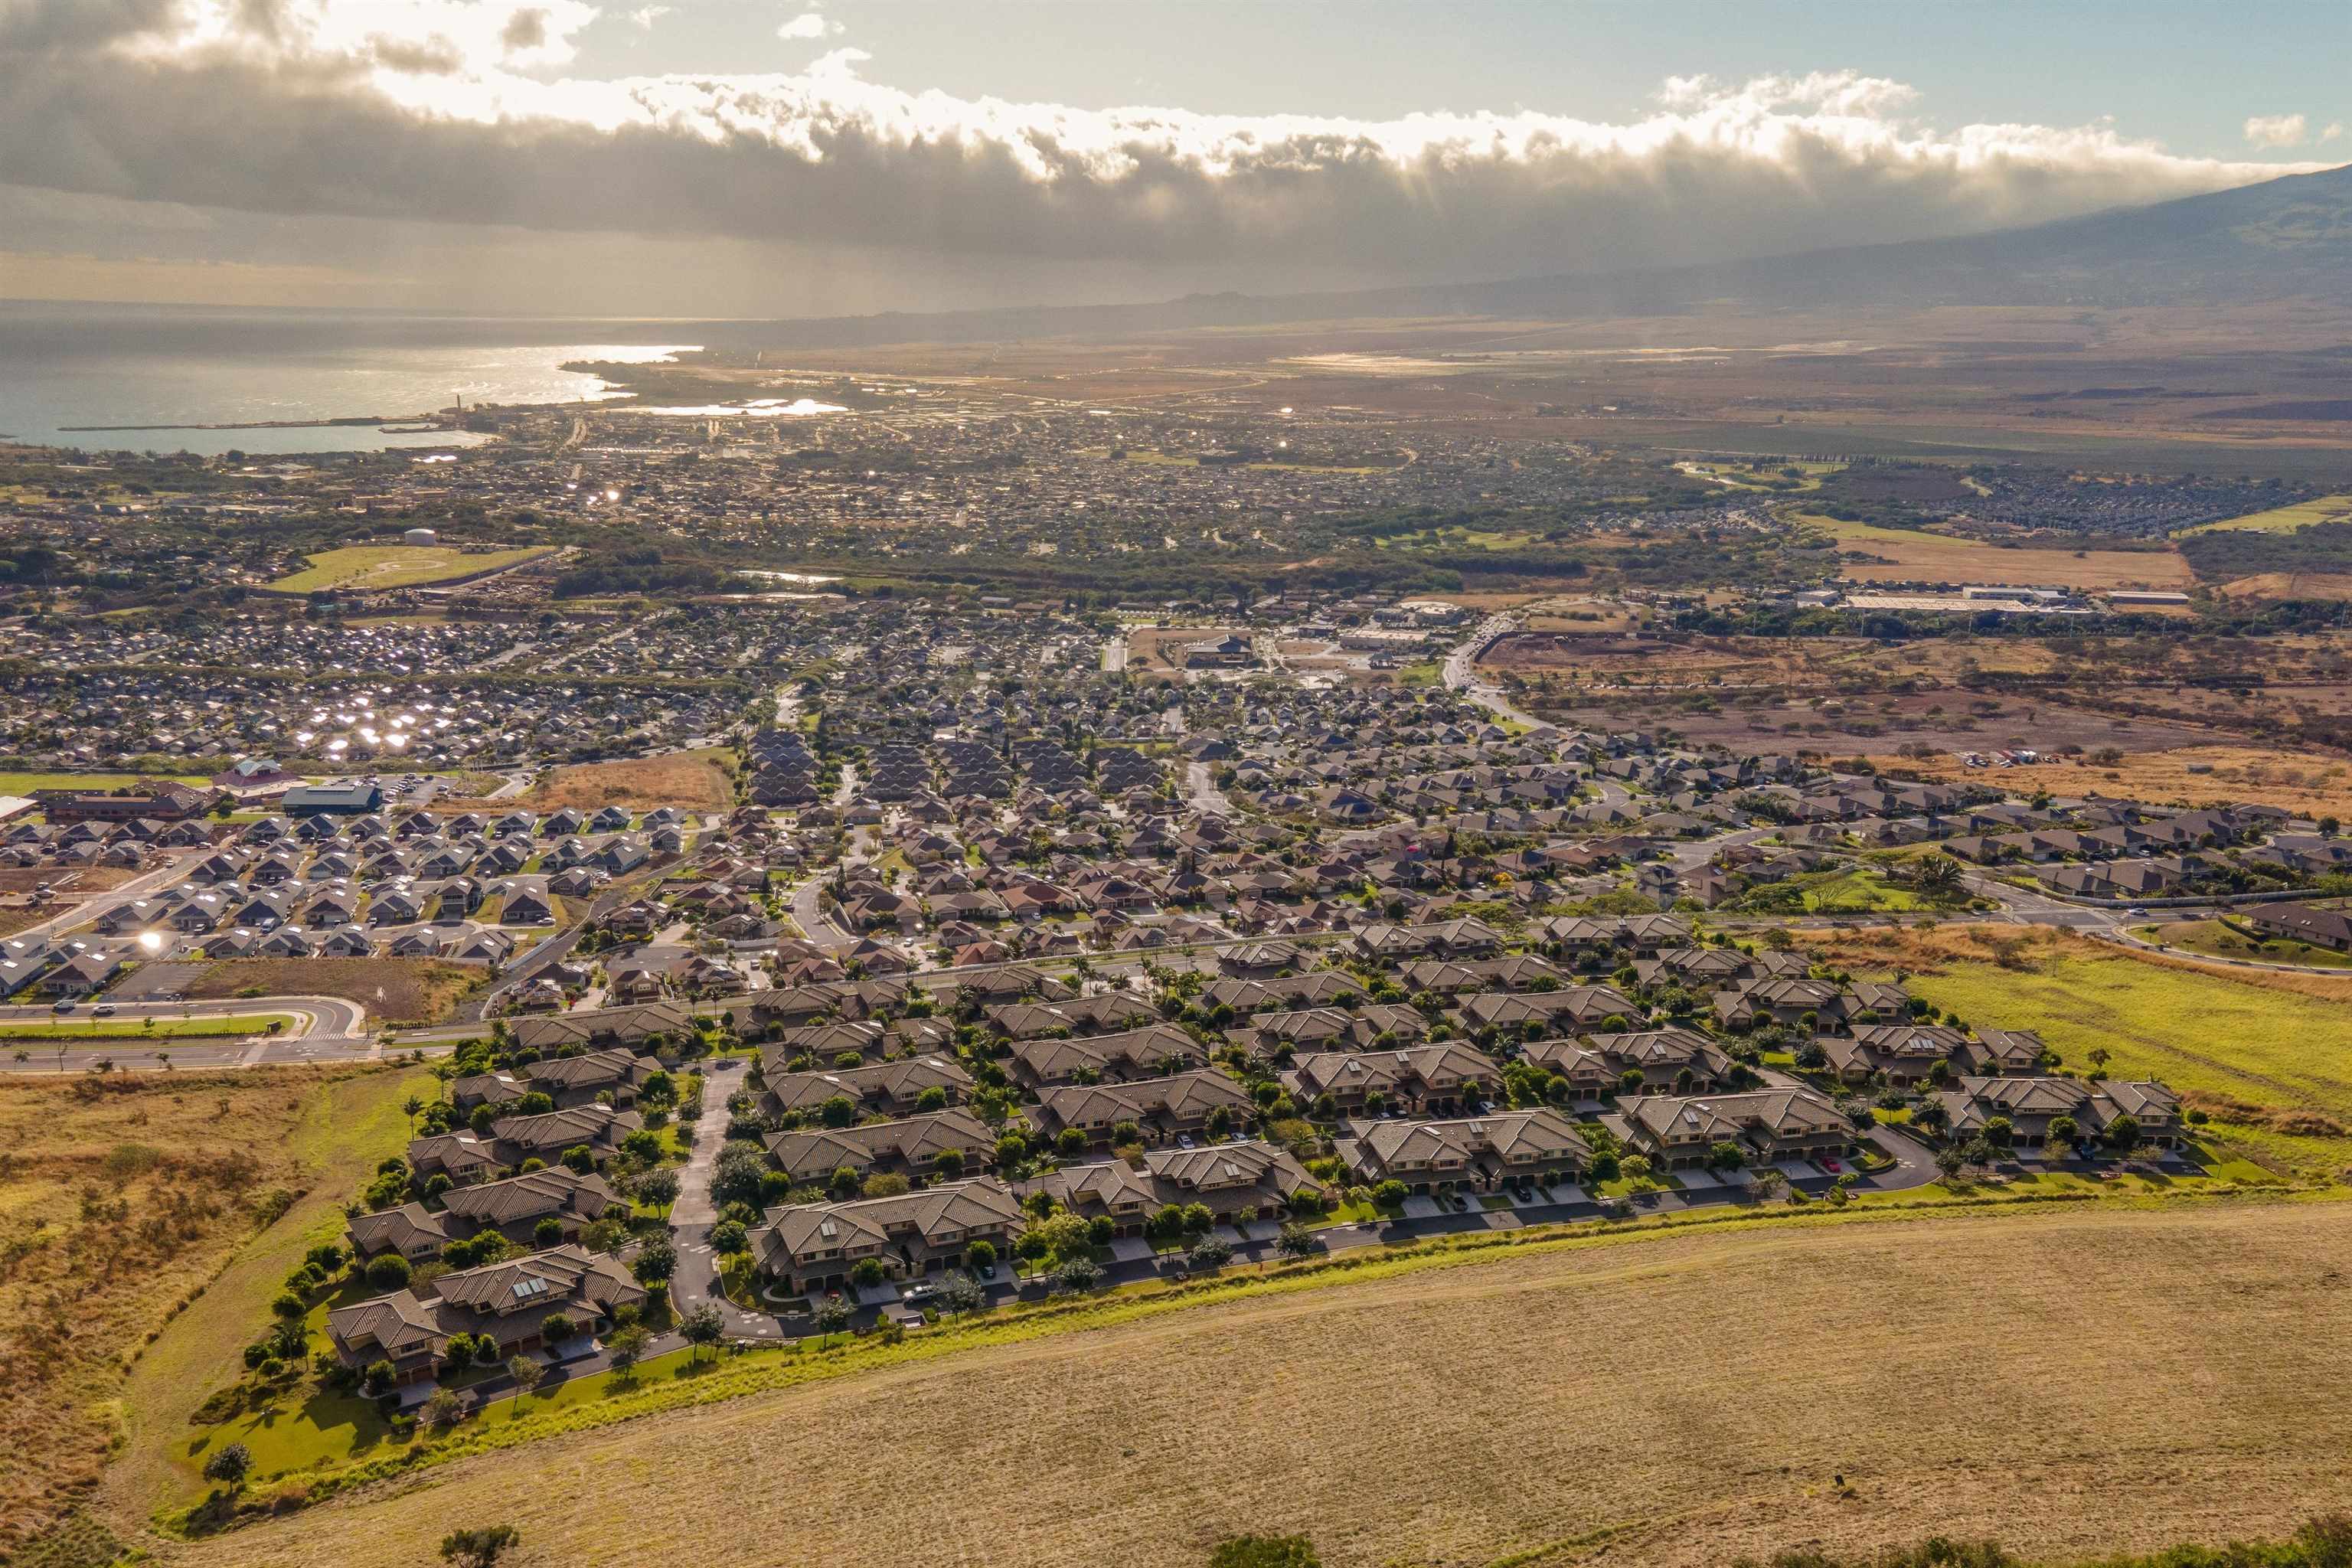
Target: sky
[[780, 158]]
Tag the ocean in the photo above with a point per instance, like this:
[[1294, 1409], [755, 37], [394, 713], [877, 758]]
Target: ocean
[[76, 364]]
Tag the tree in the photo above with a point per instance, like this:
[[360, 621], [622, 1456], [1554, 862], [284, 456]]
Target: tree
[[2064, 1129], [703, 1328], [441, 1410], [865, 1273], [2122, 1134], [579, 1159], [388, 1273], [1209, 1256], [1726, 1155], [412, 1106], [730, 1236], [1950, 1160], [548, 1232], [230, 1465], [1297, 1241], [832, 1316], [657, 1189], [625, 1346], [655, 1262], [981, 1256], [526, 1372], [480, 1547]]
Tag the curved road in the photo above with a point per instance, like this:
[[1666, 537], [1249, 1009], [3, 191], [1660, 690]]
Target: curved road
[[325, 1029]]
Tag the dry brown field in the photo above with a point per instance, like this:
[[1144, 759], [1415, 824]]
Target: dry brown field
[[2290, 586], [2078, 1378], [687, 779], [2307, 783], [393, 990], [1953, 560], [118, 1199]]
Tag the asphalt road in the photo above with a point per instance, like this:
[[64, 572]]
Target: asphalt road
[[1460, 671], [324, 1028]]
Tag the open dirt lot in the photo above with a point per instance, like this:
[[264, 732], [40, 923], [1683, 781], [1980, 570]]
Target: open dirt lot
[[1941, 719], [688, 779], [2307, 783], [1909, 555], [2067, 1379], [393, 990]]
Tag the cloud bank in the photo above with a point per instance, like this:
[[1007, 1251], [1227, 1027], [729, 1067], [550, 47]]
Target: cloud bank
[[460, 112]]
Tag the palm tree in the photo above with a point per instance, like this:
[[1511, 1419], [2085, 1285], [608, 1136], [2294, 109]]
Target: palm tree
[[412, 1106]]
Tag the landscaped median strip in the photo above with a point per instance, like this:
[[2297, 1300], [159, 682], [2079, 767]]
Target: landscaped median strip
[[763, 1369], [115, 1031]]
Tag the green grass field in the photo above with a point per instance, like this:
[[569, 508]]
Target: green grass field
[[2226, 939], [2240, 1043], [1847, 531], [397, 566], [26, 784], [347, 1129], [2283, 520]]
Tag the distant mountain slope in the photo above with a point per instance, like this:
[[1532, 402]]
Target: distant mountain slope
[[2284, 238]]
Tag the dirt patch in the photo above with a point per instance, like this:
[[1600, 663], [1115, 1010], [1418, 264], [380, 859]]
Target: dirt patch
[[2290, 586], [1947, 561], [393, 990], [693, 780], [2307, 783], [1418, 1419]]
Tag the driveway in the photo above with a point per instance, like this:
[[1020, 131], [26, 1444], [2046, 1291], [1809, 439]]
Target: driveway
[[691, 1218]]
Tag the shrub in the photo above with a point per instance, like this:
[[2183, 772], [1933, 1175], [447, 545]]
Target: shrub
[[480, 1547], [1264, 1551], [389, 1273]]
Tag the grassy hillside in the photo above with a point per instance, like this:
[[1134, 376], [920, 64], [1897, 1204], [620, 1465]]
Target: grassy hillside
[[122, 1200], [2069, 1378], [2268, 1056]]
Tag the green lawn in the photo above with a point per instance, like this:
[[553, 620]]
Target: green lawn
[[354, 1123], [115, 1030], [2284, 519], [26, 784], [2227, 939], [2198, 1032], [397, 566]]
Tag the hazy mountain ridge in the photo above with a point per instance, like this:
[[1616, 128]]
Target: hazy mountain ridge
[[2283, 239]]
